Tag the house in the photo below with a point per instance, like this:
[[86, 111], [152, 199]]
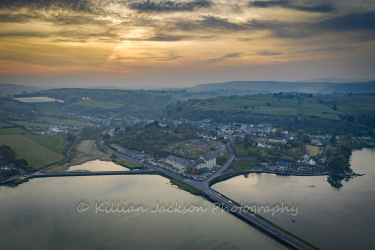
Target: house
[[277, 140], [176, 162], [291, 138], [7, 167], [263, 145], [200, 164], [282, 165], [191, 168], [306, 157], [209, 160], [312, 162]]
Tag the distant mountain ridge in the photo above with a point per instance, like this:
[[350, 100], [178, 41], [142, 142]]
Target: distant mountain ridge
[[264, 87], [12, 89], [338, 80]]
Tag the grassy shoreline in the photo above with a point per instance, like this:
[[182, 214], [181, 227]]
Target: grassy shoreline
[[127, 164], [186, 187]]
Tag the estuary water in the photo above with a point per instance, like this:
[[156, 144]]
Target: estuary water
[[328, 217], [77, 213]]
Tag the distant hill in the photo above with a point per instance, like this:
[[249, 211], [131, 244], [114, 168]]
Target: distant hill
[[339, 80], [11, 89], [266, 87]]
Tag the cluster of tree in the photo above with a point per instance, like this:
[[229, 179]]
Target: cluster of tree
[[292, 95], [152, 138], [338, 161], [302, 136], [90, 133], [8, 156], [5, 174], [11, 109], [246, 148]]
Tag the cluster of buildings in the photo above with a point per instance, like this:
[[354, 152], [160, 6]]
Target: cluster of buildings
[[307, 160], [53, 129], [205, 136], [7, 167], [182, 165]]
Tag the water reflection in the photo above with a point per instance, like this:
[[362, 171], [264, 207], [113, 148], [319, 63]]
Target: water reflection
[[334, 213], [42, 214], [336, 180]]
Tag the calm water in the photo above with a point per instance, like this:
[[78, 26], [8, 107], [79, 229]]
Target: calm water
[[42, 214], [98, 165], [329, 218]]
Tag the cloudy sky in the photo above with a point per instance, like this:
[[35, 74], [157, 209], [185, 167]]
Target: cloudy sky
[[184, 43]]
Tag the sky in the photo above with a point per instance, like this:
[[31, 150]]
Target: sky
[[80, 43]]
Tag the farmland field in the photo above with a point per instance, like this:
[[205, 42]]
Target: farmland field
[[38, 151], [312, 108]]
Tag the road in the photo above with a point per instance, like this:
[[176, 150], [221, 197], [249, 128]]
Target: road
[[203, 186], [217, 197]]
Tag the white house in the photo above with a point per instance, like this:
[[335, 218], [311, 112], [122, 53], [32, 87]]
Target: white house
[[210, 161], [176, 162], [277, 140], [312, 162]]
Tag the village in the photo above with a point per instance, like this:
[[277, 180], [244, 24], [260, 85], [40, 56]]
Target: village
[[213, 136]]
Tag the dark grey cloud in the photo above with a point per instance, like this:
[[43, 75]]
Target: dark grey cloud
[[268, 53], [162, 37], [208, 23], [219, 59], [169, 38], [322, 8], [171, 56], [67, 35], [266, 4], [17, 18], [221, 23], [68, 41], [353, 21], [75, 5], [169, 6], [25, 34], [291, 5], [244, 39]]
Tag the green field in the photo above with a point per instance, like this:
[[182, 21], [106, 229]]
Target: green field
[[48, 108], [314, 150], [312, 108], [356, 104], [58, 121], [3, 124], [276, 111], [34, 124], [9, 131], [38, 151], [273, 105], [243, 165], [95, 103], [126, 163]]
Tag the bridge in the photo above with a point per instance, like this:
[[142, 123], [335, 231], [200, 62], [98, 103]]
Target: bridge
[[203, 186]]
